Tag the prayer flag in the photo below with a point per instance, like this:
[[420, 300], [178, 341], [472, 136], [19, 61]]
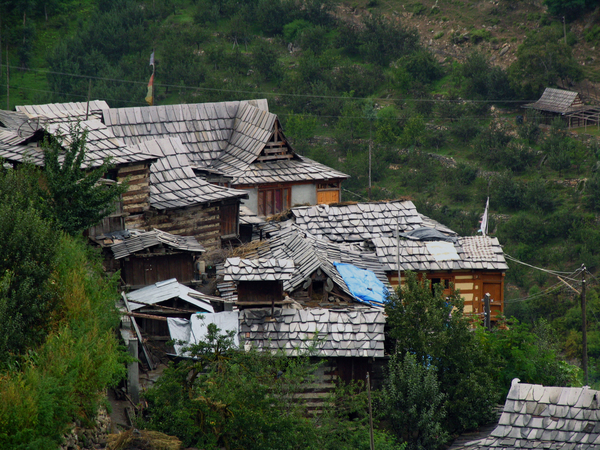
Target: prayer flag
[[484, 219], [150, 96], [152, 59]]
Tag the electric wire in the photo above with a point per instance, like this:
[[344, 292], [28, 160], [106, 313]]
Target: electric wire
[[551, 272], [331, 97]]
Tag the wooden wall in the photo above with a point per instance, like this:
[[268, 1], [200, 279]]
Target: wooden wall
[[473, 286], [136, 200], [203, 222], [144, 270]]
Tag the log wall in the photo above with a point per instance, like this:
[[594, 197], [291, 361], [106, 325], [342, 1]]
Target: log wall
[[136, 201]]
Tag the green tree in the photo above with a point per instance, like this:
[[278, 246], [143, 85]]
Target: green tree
[[76, 200], [27, 260], [413, 404], [430, 326], [542, 60]]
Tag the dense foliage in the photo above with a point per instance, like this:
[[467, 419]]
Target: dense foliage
[[226, 396], [75, 199]]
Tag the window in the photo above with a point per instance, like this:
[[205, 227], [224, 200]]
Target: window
[[273, 201]]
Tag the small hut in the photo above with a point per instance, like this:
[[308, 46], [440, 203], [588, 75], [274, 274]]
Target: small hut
[[566, 104]]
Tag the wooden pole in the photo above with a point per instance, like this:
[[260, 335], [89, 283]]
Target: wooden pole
[[398, 254], [565, 30], [487, 312], [370, 412], [370, 145], [7, 82], [87, 109], [584, 361]]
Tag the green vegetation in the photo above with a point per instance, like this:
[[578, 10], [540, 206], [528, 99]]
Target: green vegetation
[[229, 396], [58, 350]]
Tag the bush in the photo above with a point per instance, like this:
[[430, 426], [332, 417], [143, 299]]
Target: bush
[[465, 129], [64, 379], [413, 404], [508, 192]]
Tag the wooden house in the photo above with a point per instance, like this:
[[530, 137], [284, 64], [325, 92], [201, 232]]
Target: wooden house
[[259, 282], [164, 191], [567, 105], [473, 264], [314, 282], [149, 257], [237, 144]]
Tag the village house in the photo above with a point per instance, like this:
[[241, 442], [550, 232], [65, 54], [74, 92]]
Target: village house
[[473, 264], [164, 192], [238, 144], [565, 104], [314, 279]]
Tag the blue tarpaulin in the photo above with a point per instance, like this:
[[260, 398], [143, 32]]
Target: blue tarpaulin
[[363, 284]]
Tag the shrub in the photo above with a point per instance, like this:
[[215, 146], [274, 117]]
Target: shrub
[[465, 129], [412, 403], [508, 192]]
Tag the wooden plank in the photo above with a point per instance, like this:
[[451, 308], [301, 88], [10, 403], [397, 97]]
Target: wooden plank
[[138, 333]]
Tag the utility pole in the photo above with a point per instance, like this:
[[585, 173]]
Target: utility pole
[[565, 30], [7, 82], [370, 145], [487, 317], [584, 361]]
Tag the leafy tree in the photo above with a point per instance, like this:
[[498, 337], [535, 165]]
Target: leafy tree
[[569, 8], [431, 327], [75, 198], [382, 40], [542, 59], [413, 404], [265, 59], [27, 260], [422, 66], [224, 396]]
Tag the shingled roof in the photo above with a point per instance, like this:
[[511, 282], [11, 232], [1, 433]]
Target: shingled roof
[[310, 254], [134, 241], [229, 137], [241, 269], [101, 142], [203, 128], [331, 332], [470, 252], [539, 417], [362, 221], [68, 111], [558, 101], [173, 183]]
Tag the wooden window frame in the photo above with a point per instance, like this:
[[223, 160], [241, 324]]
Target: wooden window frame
[[274, 200], [230, 220]]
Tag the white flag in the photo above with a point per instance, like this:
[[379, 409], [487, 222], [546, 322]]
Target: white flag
[[152, 59], [484, 219]]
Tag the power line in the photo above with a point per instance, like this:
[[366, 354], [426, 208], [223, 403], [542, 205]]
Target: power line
[[180, 86], [551, 272]]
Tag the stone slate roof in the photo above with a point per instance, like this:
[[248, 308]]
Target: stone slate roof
[[203, 128], [240, 269], [557, 418], [362, 221], [335, 332], [101, 142], [135, 241], [310, 254], [18, 122], [557, 101], [68, 111], [474, 252], [173, 183], [167, 290], [227, 137]]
